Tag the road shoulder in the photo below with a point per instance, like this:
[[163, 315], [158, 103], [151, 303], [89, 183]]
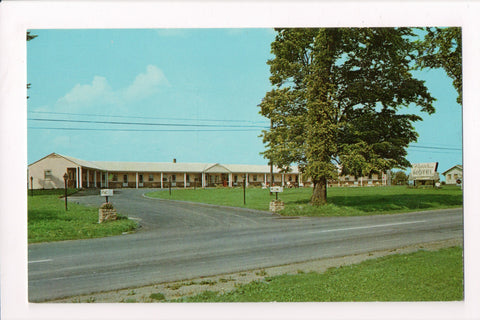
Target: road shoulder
[[228, 282]]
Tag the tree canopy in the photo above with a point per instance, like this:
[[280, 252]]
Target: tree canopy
[[442, 48], [30, 37], [336, 101]]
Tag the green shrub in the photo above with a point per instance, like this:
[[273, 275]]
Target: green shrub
[[158, 296]]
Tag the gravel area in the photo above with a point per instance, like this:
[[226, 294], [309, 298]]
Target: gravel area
[[228, 282]]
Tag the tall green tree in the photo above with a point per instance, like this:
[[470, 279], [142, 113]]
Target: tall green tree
[[442, 48], [30, 37], [336, 100]]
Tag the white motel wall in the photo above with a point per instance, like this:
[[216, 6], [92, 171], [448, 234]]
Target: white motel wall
[[48, 173]]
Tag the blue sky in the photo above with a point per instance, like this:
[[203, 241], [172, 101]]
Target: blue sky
[[209, 79]]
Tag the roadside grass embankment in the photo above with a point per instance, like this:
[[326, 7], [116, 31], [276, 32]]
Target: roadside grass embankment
[[48, 220], [342, 201], [418, 276]]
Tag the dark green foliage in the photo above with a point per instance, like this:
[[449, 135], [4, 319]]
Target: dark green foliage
[[158, 296], [442, 48], [30, 37], [399, 178], [337, 98]]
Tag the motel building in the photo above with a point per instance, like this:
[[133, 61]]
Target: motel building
[[48, 173]]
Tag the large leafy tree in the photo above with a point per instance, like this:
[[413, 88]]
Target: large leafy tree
[[30, 37], [336, 101], [442, 48]]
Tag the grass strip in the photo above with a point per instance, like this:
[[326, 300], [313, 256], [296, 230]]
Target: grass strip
[[342, 201], [419, 276], [48, 221]]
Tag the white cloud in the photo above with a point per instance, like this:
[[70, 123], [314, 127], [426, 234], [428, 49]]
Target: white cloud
[[100, 94], [98, 91], [146, 84]]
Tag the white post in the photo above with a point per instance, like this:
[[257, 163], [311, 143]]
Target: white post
[[161, 180], [136, 180], [78, 179], [246, 182], [88, 178], [203, 179], [184, 180], [265, 178], [81, 176], [283, 179], [230, 179]]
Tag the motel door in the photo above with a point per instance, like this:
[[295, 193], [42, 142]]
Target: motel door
[[72, 177], [140, 180]]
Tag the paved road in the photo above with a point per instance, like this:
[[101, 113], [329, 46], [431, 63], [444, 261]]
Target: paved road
[[180, 241]]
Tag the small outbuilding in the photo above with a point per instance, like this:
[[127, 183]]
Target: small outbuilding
[[454, 175]]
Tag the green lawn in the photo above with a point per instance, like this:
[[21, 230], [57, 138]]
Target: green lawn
[[48, 220], [342, 201], [419, 276]]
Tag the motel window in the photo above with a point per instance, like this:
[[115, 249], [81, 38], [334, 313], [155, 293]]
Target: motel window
[[150, 177], [188, 177], [235, 178], [47, 174], [449, 176], [455, 176], [290, 178], [115, 177], [255, 178], [125, 178], [174, 177]]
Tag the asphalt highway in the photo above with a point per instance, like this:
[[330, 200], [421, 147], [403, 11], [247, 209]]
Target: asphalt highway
[[178, 241]]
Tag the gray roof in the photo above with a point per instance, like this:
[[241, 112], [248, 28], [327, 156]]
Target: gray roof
[[175, 167], [458, 166]]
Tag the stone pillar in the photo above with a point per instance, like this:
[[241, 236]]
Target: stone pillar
[[88, 178], [203, 180], [283, 179], [95, 178], [230, 179], [184, 180]]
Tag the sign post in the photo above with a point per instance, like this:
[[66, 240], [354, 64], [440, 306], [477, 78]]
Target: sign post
[[106, 193], [276, 190], [65, 178], [244, 191]]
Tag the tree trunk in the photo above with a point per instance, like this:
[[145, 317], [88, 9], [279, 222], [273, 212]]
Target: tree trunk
[[319, 196]]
